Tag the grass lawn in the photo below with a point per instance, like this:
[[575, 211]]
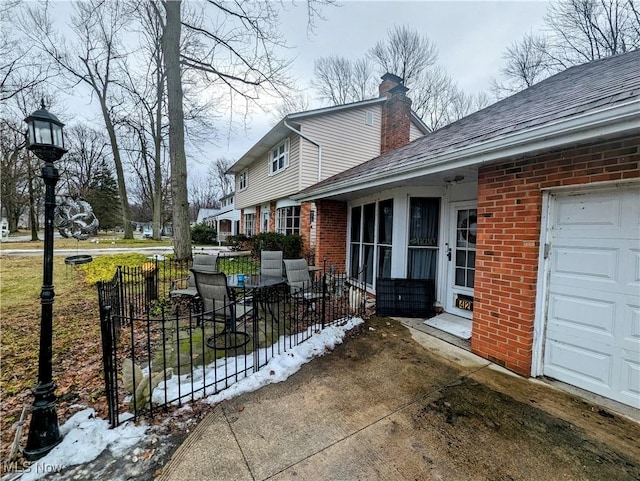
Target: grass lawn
[[77, 352]]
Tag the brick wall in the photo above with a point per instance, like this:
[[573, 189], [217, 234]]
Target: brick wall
[[305, 226], [331, 226], [509, 222], [396, 120]]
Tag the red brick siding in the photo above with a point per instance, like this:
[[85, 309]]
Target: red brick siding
[[509, 222], [395, 122], [258, 219], [331, 233], [305, 226]]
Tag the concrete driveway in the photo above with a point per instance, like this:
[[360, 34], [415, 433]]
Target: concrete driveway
[[392, 403]]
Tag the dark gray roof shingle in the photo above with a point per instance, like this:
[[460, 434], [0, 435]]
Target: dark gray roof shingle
[[577, 90]]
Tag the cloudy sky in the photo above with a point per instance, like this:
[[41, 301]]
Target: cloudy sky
[[471, 37]]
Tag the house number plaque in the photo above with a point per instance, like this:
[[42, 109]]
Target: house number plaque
[[465, 303]]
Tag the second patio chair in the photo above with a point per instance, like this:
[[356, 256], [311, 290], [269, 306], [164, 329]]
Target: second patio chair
[[300, 284], [271, 263]]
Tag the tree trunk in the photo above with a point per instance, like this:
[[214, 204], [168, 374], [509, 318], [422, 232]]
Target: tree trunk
[[122, 188], [33, 215], [157, 179], [171, 49]]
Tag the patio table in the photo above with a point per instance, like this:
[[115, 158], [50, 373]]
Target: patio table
[[262, 287]]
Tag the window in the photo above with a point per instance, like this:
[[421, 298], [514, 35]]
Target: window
[[465, 254], [370, 241], [288, 220], [279, 158], [243, 178], [424, 219], [249, 224], [369, 118]]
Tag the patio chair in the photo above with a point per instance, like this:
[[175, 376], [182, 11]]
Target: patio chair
[[220, 305], [186, 286], [271, 263], [300, 284]]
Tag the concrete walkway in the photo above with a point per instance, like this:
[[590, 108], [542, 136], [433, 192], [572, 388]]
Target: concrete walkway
[[393, 403]]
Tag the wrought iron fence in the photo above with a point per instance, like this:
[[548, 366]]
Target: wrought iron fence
[[161, 351]]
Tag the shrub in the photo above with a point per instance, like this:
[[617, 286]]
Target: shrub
[[203, 234], [290, 245], [239, 242]]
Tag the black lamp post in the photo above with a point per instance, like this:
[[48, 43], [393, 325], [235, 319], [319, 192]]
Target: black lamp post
[[46, 140]]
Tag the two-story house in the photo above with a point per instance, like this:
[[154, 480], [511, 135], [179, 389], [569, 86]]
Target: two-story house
[[525, 216], [307, 147]]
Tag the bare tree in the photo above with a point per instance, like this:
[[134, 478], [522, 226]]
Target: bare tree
[[296, 101], [405, 53], [93, 61], [526, 64], [13, 172], [20, 68], [88, 150], [437, 99], [339, 80], [232, 48], [219, 178], [575, 32]]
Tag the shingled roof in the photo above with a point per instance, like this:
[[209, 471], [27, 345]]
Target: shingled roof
[[577, 92]]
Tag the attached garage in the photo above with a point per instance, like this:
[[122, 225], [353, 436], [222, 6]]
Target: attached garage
[[592, 308]]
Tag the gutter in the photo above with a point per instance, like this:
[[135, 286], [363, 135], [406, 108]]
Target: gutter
[[293, 129], [618, 119]]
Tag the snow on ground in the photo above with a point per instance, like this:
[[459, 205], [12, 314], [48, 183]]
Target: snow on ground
[[87, 436]]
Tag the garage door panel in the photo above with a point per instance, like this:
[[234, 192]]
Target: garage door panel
[[631, 327], [593, 264], [584, 211], [630, 381], [634, 273], [592, 332], [576, 364], [593, 315]]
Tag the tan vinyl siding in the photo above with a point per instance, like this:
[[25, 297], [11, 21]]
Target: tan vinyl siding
[[414, 132], [346, 141], [262, 187]]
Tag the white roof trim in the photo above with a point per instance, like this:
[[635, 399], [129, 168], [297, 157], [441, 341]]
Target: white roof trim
[[618, 119]]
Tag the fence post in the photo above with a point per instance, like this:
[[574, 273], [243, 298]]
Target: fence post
[[324, 291], [110, 376]]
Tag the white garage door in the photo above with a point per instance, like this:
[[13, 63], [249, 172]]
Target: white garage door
[[593, 309]]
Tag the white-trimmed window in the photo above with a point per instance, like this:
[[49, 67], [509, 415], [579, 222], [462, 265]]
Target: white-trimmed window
[[279, 157], [243, 179], [288, 220], [250, 224]]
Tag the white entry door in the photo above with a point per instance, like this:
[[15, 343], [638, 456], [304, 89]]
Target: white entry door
[[593, 302], [461, 259]]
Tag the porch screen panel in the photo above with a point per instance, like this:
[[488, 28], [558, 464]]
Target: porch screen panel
[[368, 240], [384, 261], [385, 237], [424, 221]]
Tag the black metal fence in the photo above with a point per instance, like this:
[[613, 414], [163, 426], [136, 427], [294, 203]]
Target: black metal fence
[[160, 351]]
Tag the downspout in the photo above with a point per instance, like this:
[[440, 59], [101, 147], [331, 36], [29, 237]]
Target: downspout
[[313, 142]]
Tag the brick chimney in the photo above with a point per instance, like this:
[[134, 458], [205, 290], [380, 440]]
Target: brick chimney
[[396, 113]]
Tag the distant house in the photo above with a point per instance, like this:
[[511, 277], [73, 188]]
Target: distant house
[[227, 219], [524, 217], [206, 216], [308, 147]]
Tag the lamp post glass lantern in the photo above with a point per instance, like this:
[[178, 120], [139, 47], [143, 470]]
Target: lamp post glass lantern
[[46, 140]]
